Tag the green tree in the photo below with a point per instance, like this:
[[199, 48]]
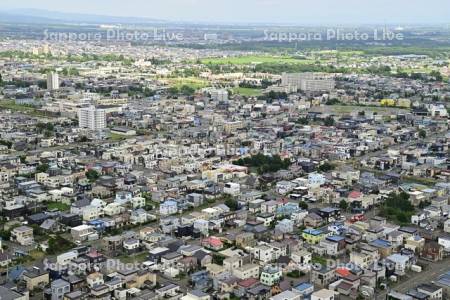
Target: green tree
[[422, 134], [92, 175], [329, 121], [187, 90], [343, 204], [42, 168], [58, 244], [437, 75], [303, 205], [303, 121], [232, 204], [6, 143], [173, 91], [326, 167]]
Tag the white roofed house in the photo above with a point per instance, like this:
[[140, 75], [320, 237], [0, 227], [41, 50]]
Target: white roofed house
[[23, 235], [113, 209], [401, 263], [138, 202], [285, 226], [82, 232], [284, 187], [131, 246], [196, 295], [288, 295], [91, 212], [139, 216], [324, 294], [123, 197], [168, 207]]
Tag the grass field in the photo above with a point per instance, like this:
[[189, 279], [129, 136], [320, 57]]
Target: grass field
[[58, 205], [248, 92], [196, 83], [345, 109], [117, 137], [11, 105], [136, 258], [255, 59]]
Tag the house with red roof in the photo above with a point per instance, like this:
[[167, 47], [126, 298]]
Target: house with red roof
[[213, 243]]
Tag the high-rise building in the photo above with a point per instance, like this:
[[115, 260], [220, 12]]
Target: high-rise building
[[52, 81], [308, 82], [92, 118], [219, 95]]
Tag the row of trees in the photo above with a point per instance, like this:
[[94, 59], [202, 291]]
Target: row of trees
[[398, 208], [264, 163]]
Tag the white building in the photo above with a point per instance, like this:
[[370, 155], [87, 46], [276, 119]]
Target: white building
[[82, 232], [287, 295], [168, 207], [52, 81], [219, 95], [316, 179], [246, 271], [202, 226], [324, 294], [232, 188], [308, 82], [285, 226], [23, 235], [66, 258], [447, 226], [92, 118], [444, 242]]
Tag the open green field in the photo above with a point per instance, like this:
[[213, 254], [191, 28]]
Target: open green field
[[117, 137], [248, 92], [11, 105], [135, 258], [255, 59], [196, 83], [58, 205], [346, 109], [341, 52]]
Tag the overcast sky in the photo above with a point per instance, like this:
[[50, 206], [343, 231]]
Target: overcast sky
[[273, 11]]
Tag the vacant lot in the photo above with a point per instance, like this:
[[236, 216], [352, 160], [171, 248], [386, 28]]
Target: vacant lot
[[255, 59]]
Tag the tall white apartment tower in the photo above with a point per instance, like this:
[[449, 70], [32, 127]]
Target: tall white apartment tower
[[219, 95], [308, 82], [91, 118], [52, 81]]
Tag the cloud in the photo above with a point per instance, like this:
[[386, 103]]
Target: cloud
[[282, 11]]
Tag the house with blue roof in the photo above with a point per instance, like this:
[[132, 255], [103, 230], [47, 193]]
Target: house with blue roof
[[444, 282], [201, 280], [305, 289], [333, 245], [168, 207], [313, 236], [384, 247], [287, 210], [99, 225]]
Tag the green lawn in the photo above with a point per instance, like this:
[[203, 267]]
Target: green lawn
[[345, 109], [319, 260], [117, 137], [194, 82], [58, 205], [248, 92], [11, 105], [255, 59], [136, 258]]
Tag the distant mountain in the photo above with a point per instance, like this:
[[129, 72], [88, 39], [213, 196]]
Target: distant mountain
[[46, 16]]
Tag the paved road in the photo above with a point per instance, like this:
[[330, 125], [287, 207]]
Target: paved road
[[411, 279]]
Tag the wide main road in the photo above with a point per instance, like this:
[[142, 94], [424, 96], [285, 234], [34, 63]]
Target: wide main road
[[411, 280]]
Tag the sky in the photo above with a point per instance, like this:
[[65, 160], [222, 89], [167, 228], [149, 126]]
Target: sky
[[261, 11]]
